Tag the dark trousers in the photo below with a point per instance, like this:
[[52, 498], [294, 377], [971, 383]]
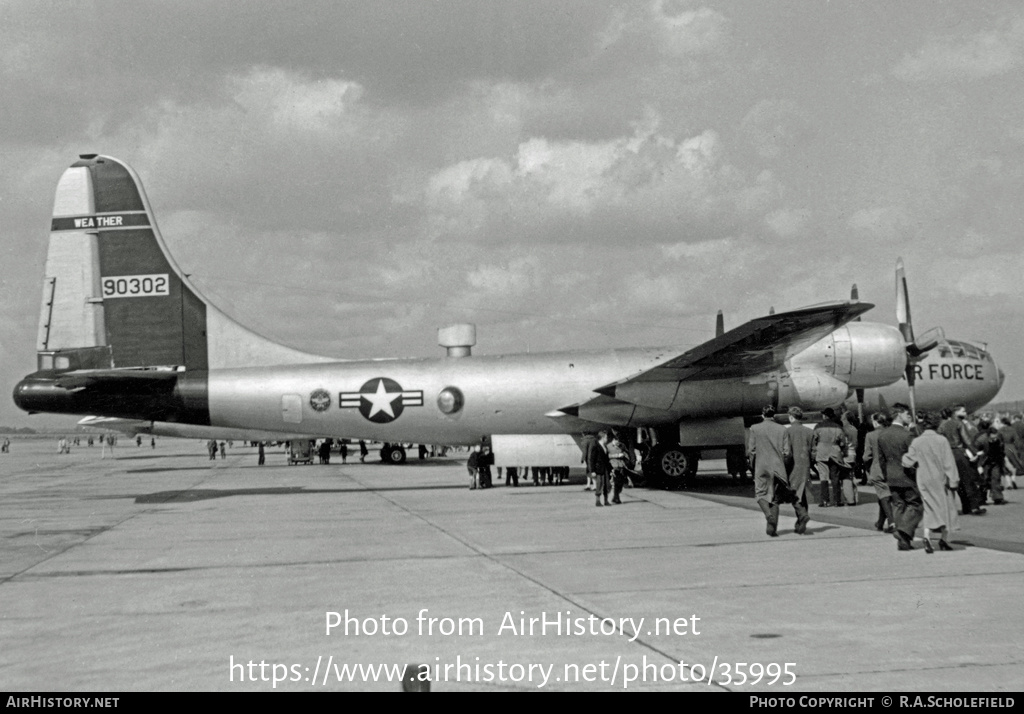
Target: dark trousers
[[618, 482], [907, 509], [992, 475], [830, 474], [968, 488], [601, 486], [784, 494]]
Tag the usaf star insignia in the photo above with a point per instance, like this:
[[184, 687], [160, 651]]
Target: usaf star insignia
[[320, 400], [381, 400]]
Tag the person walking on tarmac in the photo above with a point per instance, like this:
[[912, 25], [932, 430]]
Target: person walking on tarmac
[[769, 449], [800, 439], [830, 446], [937, 478], [876, 477], [907, 507]]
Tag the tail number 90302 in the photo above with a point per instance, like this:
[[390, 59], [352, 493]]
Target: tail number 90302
[[135, 286]]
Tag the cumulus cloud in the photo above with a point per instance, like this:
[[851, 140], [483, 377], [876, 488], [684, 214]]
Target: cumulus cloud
[[669, 26], [885, 223], [647, 175], [684, 32], [293, 102], [987, 53]]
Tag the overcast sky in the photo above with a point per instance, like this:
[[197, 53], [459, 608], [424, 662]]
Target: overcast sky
[[346, 177]]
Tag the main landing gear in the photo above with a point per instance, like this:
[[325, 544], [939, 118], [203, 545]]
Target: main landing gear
[[671, 466], [392, 454]]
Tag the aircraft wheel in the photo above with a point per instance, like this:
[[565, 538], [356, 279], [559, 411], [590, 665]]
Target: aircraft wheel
[[670, 464], [396, 455]]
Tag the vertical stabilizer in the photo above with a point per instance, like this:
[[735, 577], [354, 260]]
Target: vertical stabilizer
[[113, 296]]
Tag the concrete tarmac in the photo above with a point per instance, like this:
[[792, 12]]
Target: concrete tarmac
[[163, 570]]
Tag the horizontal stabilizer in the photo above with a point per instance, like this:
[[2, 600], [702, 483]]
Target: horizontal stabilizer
[[86, 378]]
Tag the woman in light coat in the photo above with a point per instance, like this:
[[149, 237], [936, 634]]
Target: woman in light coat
[[937, 480]]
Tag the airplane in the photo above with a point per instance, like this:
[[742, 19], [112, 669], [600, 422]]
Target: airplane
[[123, 333]]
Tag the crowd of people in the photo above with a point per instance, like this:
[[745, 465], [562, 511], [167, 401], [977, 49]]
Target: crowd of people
[[918, 465], [481, 459], [64, 444]]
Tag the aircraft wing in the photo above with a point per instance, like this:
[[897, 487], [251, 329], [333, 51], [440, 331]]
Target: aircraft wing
[[759, 345]]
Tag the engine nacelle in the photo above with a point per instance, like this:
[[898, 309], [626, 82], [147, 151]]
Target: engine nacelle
[[811, 390], [859, 354]]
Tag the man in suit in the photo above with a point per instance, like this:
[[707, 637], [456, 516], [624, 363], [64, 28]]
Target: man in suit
[[801, 441], [876, 477], [598, 462], [907, 507], [768, 449]]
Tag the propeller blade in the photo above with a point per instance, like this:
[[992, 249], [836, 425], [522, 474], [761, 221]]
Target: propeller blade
[[903, 303], [914, 349], [719, 325], [855, 297]]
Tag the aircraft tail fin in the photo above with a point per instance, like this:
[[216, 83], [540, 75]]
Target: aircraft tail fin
[[113, 296]]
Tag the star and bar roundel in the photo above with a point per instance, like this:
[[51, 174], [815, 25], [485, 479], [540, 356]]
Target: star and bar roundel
[[381, 400]]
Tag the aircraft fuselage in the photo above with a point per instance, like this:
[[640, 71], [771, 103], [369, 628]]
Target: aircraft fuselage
[[390, 400], [952, 373]]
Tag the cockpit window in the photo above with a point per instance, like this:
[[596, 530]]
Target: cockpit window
[[963, 349]]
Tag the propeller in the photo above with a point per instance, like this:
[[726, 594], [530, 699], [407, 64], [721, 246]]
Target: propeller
[[915, 348], [855, 297]]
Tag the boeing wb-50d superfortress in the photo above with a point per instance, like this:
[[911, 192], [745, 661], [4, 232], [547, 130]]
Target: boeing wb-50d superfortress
[[124, 334]]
